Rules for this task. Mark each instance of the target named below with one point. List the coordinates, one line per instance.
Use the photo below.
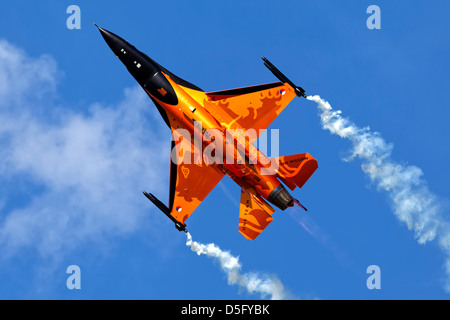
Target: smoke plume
(265, 285)
(411, 200)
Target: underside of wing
(191, 179)
(251, 107)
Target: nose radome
(115, 42)
(126, 52)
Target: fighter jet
(213, 135)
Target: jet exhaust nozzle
(281, 198)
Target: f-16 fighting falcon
(213, 135)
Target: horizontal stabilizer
(254, 215)
(296, 169)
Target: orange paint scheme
(213, 135)
(219, 112)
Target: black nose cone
(115, 42)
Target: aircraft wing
(252, 107)
(191, 179)
(247, 108)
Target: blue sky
(79, 141)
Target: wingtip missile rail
(164, 210)
(299, 91)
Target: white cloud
(80, 175)
(23, 77)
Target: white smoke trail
(412, 201)
(266, 285)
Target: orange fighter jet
(213, 135)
